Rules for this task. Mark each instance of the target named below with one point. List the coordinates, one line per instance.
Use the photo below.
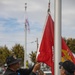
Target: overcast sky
(12, 19)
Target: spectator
(67, 68)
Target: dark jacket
(19, 72)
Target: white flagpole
(57, 38)
(25, 51)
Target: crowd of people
(13, 67)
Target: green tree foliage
(18, 50)
(33, 56)
(4, 52)
(71, 44)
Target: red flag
(45, 53)
(66, 52)
(46, 46)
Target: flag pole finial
(49, 7)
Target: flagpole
(57, 38)
(25, 51)
(37, 43)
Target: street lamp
(36, 42)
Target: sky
(12, 21)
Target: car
(48, 72)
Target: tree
(18, 50)
(4, 53)
(71, 44)
(33, 56)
